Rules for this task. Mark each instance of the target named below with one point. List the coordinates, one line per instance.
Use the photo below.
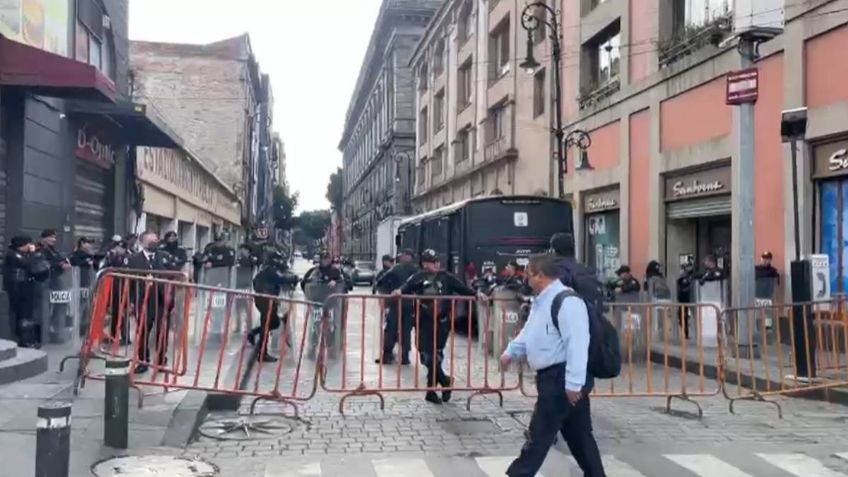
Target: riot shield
(329, 313)
(219, 278)
(504, 321)
(244, 309)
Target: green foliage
(335, 191)
(284, 204)
(311, 226)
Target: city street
(413, 438)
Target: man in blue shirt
(560, 358)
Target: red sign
(743, 86)
(92, 149)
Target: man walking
(555, 342)
(399, 316)
(152, 299)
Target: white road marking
(308, 470)
(617, 468)
(800, 465)
(706, 465)
(402, 468)
(842, 455)
(496, 466)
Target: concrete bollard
(53, 440)
(116, 408)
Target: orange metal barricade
(766, 358)
(359, 369)
(669, 350)
(199, 361)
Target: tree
(335, 192)
(284, 205)
(314, 223)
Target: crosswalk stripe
(800, 465)
(842, 455)
(496, 466)
(402, 468)
(308, 470)
(706, 465)
(617, 468)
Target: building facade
(483, 124)
(210, 95)
(181, 194)
(646, 78)
(379, 136)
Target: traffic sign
(743, 86)
(820, 283)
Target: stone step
(17, 364)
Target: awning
(48, 74)
(133, 124)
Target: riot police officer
(218, 253)
(324, 272)
(83, 256)
(399, 318)
(21, 267)
(272, 279)
(434, 318)
(177, 256)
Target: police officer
(47, 247)
(400, 311)
(21, 267)
(218, 253)
(486, 282)
(559, 352)
(626, 283)
(177, 256)
(434, 318)
(83, 256)
(388, 263)
(272, 279)
(324, 272)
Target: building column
(624, 189)
(656, 215)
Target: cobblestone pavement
(635, 432)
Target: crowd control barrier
(784, 350)
(174, 362)
(354, 371)
(666, 352)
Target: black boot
(446, 382)
(387, 358)
(432, 397)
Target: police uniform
(219, 254)
(272, 279)
(177, 256)
(20, 270)
(323, 274)
(434, 320)
(400, 312)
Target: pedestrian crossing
(559, 465)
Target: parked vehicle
(363, 273)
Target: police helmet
(429, 256)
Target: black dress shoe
(447, 383)
(405, 361)
(432, 397)
(251, 338)
(140, 368)
(266, 358)
(386, 359)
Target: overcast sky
(312, 50)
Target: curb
(197, 405)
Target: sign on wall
(92, 148)
(39, 23)
(701, 183)
(830, 159)
(743, 86)
(820, 282)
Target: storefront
(698, 216)
(93, 184)
(602, 230)
(830, 173)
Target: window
(465, 85)
(420, 170)
(539, 93)
(94, 48)
(464, 145)
(439, 58)
(423, 76)
(696, 13)
(466, 23)
(609, 56)
(497, 127)
(439, 110)
(423, 129)
(499, 51)
(437, 162)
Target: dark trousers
(21, 310)
(554, 414)
(432, 352)
(398, 324)
(268, 310)
(155, 318)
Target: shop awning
(133, 124)
(48, 74)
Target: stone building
(379, 135)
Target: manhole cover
(154, 465)
(243, 428)
(472, 426)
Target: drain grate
(148, 465)
(243, 428)
(469, 426)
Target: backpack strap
(556, 304)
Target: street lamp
(403, 157)
(531, 22)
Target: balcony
(691, 38)
(495, 149)
(594, 95)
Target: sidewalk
(166, 419)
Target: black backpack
(604, 347)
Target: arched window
(94, 40)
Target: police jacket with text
(433, 317)
(219, 255)
(177, 256)
(272, 280)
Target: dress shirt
(543, 346)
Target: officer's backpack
(604, 347)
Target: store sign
(831, 159)
(701, 183)
(600, 201)
(90, 147)
(742, 86)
